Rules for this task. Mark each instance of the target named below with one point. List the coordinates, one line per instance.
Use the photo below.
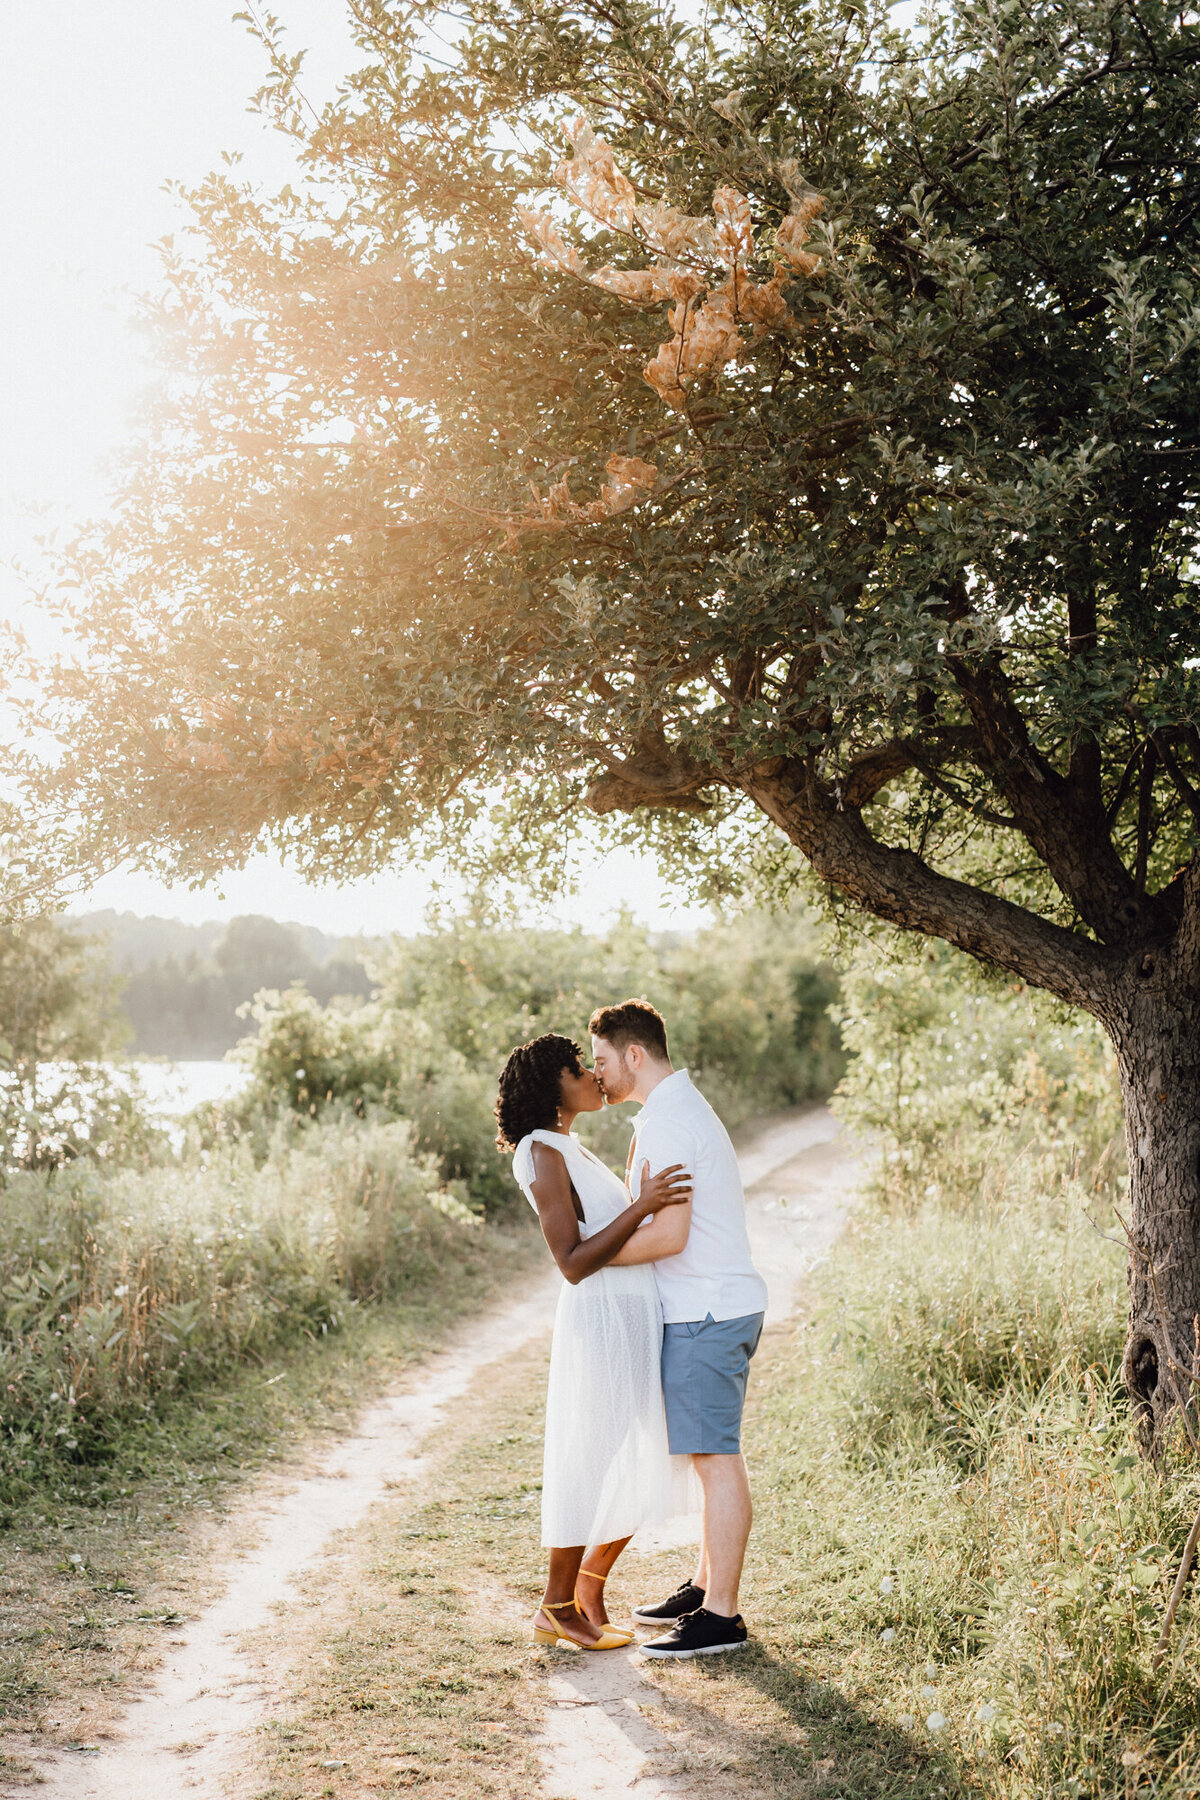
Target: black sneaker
(683, 1601)
(702, 1633)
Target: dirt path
(189, 1734)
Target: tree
(878, 547)
(60, 1026)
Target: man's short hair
(632, 1022)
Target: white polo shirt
(713, 1273)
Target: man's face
(613, 1072)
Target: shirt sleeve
(661, 1142)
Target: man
(712, 1299)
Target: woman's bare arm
(579, 1257)
(666, 1234)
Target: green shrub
(747, 1005)
(121, 1286)
(61, 1097)
(954, 1075)
(370, 1062)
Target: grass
(92, 1565)
(125, 1289)
(959, 1566)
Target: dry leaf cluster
(630, 475)
(709, 320)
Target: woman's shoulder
(534, 1145)
(545, 1139)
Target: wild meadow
(125, 1288)
(960, 1566)
(966, 1561)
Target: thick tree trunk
(1157, 1037)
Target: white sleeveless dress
(607, 1469)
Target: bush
(120, 1287)
(60, 1030)
(954, 1075)
(370, 1062)
(747, 1005)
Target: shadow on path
(814, 1739)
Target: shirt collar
(676, 1081)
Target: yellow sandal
(601, 1579)
(608, 1639)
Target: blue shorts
(705, 1366)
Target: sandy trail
(190, 1732)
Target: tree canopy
(838, 472)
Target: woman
(607, 1469)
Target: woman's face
(580, 1092)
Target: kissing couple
(660, 1313)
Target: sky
(101, 104)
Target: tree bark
(1156, 1031)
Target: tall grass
(949, 1453)
(988, 1534)
(120, 1286)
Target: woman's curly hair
(531, 1087)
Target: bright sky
(100, 105)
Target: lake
(174, 1088)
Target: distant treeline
(182, 985)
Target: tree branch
(897, 886)
(1183, 786)
(1123, 786)
(655, 773)
(1064, 822)
(870, 773)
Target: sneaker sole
(687, 1655)
(666, 1619)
